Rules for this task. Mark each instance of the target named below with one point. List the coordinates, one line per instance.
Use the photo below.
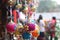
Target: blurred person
(52, 26)
(42, 28)
(48, 29)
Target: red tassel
(15, 16)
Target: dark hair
(40, 18)
(54, 18)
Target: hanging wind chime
(19, 27)
(11, 26)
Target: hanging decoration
(31, 26)
(35, 33)
(11, 26)
(11, 2)
(28, 1)
(26, 9)
(19, 25)
(33, 8)
(19, 29)
(18, 6)
(22, 16)
(15, 16)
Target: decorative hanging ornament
(15, 15)
(18, 6)
(26, 27)
(35, 33)
(33, 8)
(25, 9)
(11, 2)
(21, 16)
(28, 1)
(11, 27)
(31, 26)
(26, 35)
(19, 25)
(19, 29)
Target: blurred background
(48, 9)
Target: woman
(53, 24)
(42, 28)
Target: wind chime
(19, 6)
(11, 25)
(19, 28)
(15, 26)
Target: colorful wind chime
(35, 33)
(11, 26)
(28, 10)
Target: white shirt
(42, 24)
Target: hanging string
(11, 12)
(18, 15)
(27, 14)
(18, 2)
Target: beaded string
(11, 12)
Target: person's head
(40, 18)
(54, 18)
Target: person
(52, 26)
(42, 28)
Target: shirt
(42, 24)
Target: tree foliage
(45, 6)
